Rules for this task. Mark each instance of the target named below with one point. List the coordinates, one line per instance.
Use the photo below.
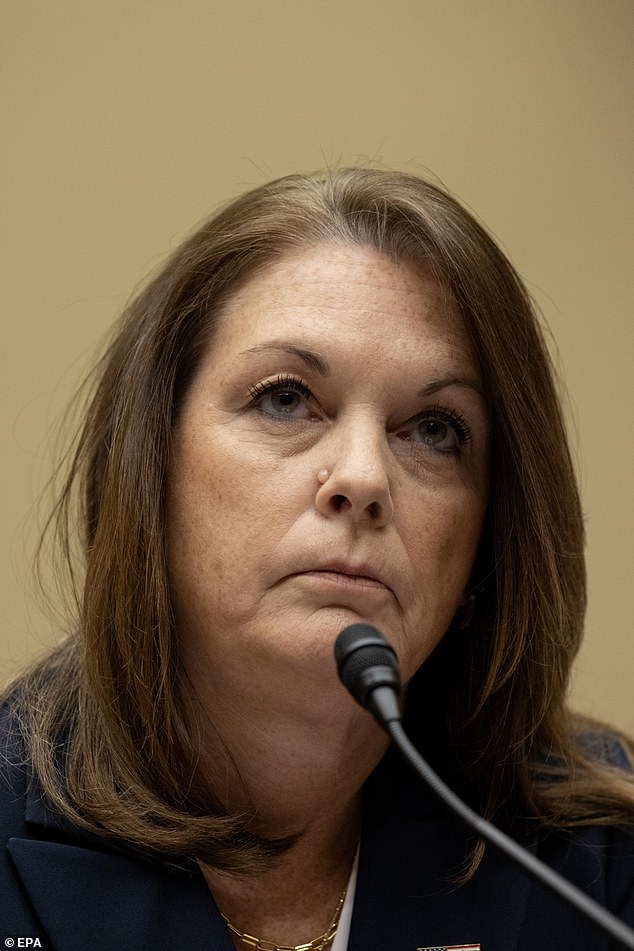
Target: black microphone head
(365, 661)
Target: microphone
(368, 668)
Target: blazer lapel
(407, 896)
(90, 899)
(88, 896)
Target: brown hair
(102, 718)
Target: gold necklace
(317, 944)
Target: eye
(439, 429)
(283, 397)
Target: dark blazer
(76, 892)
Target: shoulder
(15, 782)
(14, 771)
(598, 860)
(607, 748)
(600, 856)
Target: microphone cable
(368, 668)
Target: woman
(333, 404)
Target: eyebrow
(312, 360)
(321, 366)
(434, 386)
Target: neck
(283, 760)
(296, 899)
(298, 769)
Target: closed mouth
(337, 576)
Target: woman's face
(329, 466)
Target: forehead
(336, 292)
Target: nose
(357, 484)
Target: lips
(344, 574)
(347, 575)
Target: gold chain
(317, 944)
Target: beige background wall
(124, 123)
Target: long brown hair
(101, 715)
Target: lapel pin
(452, 947)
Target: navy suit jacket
(76, 892)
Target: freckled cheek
(220, 514)
(441, 552)
(211, 485)
(203, 526)
(444, 539)
(208, 561)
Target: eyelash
(449, 416)
(291, 384)
(281, 383)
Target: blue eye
(438, 429)
(282, 397)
